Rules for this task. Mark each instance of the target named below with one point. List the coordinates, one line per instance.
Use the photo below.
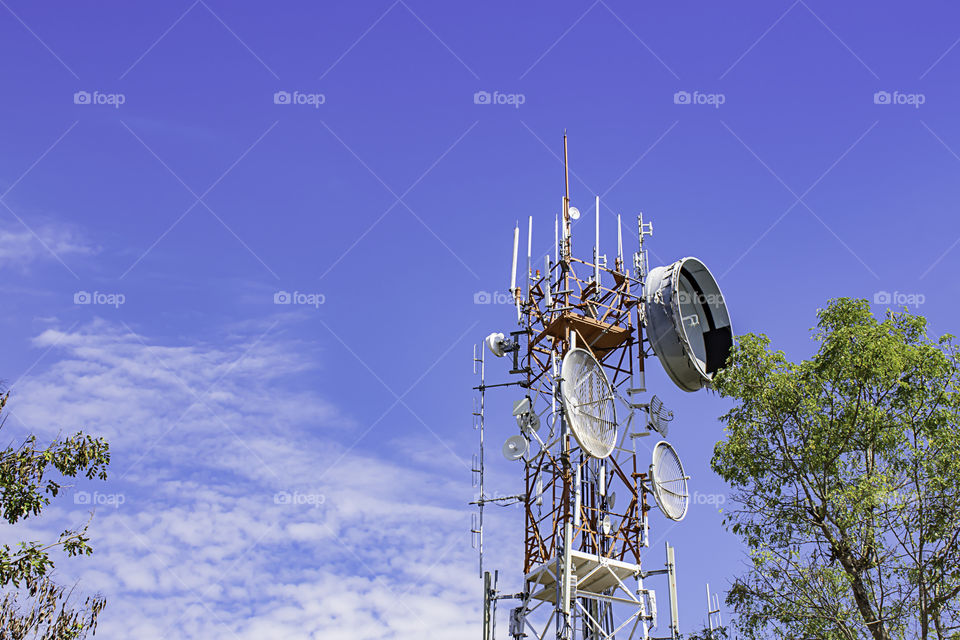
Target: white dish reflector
(515, 447)
(668, 482)
(588, 403)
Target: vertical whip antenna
(513, 269)
(596, 250)
(619, 246)
(546, 279)
(529, 254)
(556, 239)
(566, 202)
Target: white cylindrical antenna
(556, 239)
(709, 612)
(603, 480)
(596, 250)
(672, 591)
(529, 252)
(576, 498)
(546, 280)
(619, 244)
(553, 396)
(566, 222)
(709, 602)
(513, 270)
(646, 529)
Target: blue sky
(147, 162)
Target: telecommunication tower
(577, 358)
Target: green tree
(719, 633)
(33, 604)
(845, 470)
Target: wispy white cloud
(20, 247)
(224, 529)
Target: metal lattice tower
(586, 508)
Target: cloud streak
(20, 248)
(223, 530)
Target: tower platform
(595, 575)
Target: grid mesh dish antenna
(659, 416)
(588, 401)
(668, 482)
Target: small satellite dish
(611, 500)
(668, 482)
(687, 322)
(607, 525)
(515, 448)
(494, 342)
(574, 213)
(588, 403)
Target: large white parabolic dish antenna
(687, 322)
(668, 482)
(588, 403)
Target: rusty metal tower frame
(580, 548)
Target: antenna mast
(713, 610)
(575, 357)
